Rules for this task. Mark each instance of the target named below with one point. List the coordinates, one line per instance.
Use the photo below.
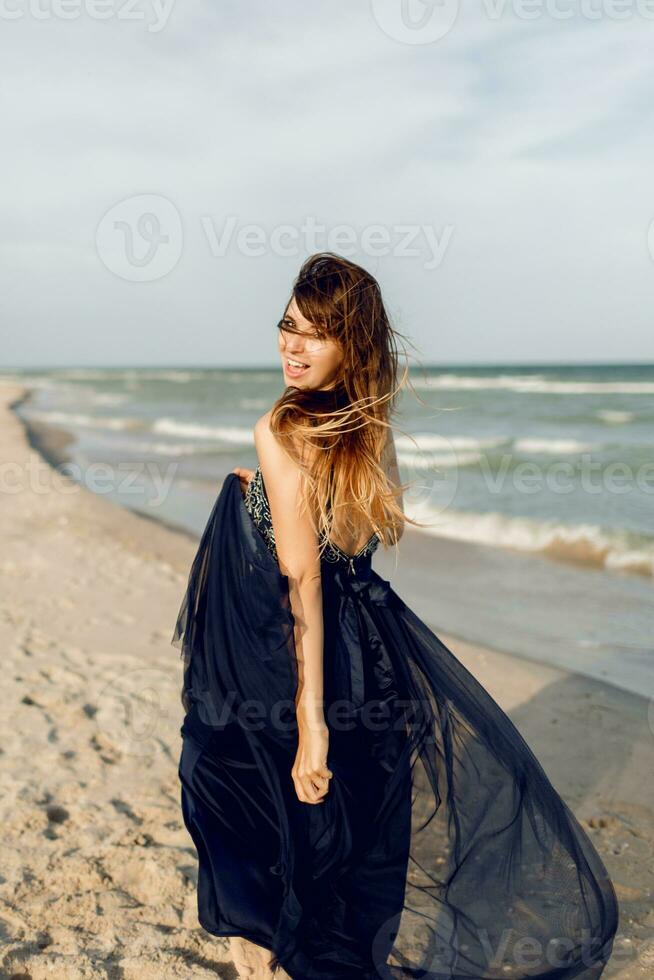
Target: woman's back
(340, 544)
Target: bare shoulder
(262, 431)
(272, 455)
(267, 444)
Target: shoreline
(436, 595)
(95, 849)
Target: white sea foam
(427, 441)
(163, 448)
(236, 435)
(531, 384)
(581, 543)
(179, 377)
(78, 419)
(437, 460)
(436, 450)
(106, 398)
(128, 374)
(81, 374)
(558, 447)
(615, 418)
(257, 377)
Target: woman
(360, 805)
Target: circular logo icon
(430, 465)
(415, 21)
(137, 711)
(423, 942)
(140, 239)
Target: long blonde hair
(338, 435)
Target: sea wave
(586, 544)
(128, 374)
(431, 450)
(236, 435)
(532, 384)
(257, 377)
(427, 441)
(558, 447)
(437, 460)
(74, 419)
(106, 398)
(165, 448)
(615, 417)
(428, 450)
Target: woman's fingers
(310, 772)
(242, 473)
(311, 792)
(320, 779)
(244, 476)
(304, 788)
(306, 793)
(312, 787)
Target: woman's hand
(244, 476)
(310, 773)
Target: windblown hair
(338, 435)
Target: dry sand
(98, 872)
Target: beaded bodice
(256, 503)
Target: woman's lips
(294, 372)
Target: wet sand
(98, 871)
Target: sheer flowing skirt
(441, 851)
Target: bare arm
(298, 556)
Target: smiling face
(310, 358)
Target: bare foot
(250, 960)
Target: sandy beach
(98, 871)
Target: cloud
(530, 139)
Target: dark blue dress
(442, 851)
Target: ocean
(543, 475)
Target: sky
(169, 164)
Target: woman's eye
(289, 325)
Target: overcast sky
(167, 168)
